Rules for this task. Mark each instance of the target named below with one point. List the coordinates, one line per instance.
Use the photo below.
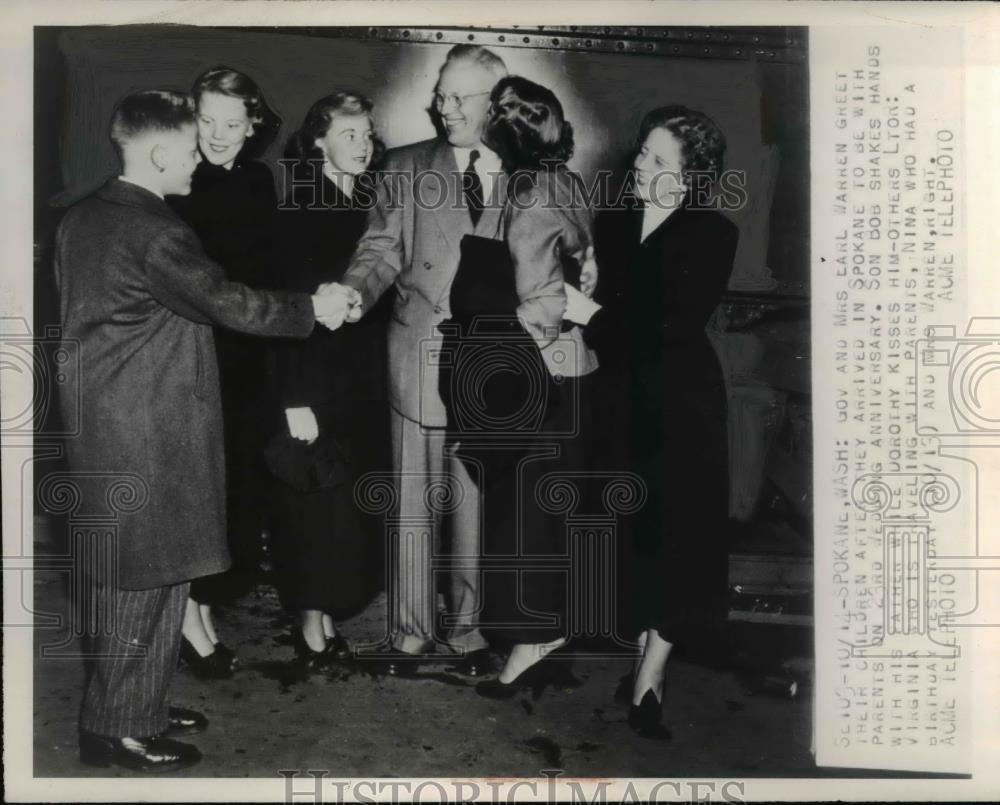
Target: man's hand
(302, 424)
(579, 308)
(334, 303)
(588, 273)
(354, 297)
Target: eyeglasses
(440, 100)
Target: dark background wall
(739, 76)
(81, 73)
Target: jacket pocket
(399, 305)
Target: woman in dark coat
(664, 266)
(231, 208)
(331, 390)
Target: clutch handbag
(494, 381)
(323, 464)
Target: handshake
(333, 304)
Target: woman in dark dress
(331, 386)
(544, 232)
(664, 266)
(231, 208)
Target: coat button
(428, 265)
(437, 308)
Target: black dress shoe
(399, 663)
(181, 721)
(338, 648)
(475, 663)
(645, 720)
(155, 754)
(212, 666)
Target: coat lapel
(452, 216)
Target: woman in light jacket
(547, 230)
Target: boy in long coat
(139, 296)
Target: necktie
(473, 188)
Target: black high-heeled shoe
(553, 669)
(338, 647)
(226, 652)
(212, 666)
(307, 656)
(646, 719)
(528, 679)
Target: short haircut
(302, 145)
(478, 55)
(526, 127)
(702, 143)
(151, 110)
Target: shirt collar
(652, 216)
(486, 156)
(656, 211)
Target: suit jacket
(659, 293)
(416, 247)
(140, 297)
(546, 225)
(658, 296)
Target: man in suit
(413, 243)
(139, 297)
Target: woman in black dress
(331, 386)
(664, 266)
(546, 227)
(231, 208)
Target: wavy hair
(526, 126)
(703, 145)
(302, 147)
(224, 80)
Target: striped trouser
(133, 661)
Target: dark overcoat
(665, 405)
(139, 298)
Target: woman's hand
(588, 273)
(579, 308)
(302, 424)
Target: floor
(354, 724)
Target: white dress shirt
(652, 216)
